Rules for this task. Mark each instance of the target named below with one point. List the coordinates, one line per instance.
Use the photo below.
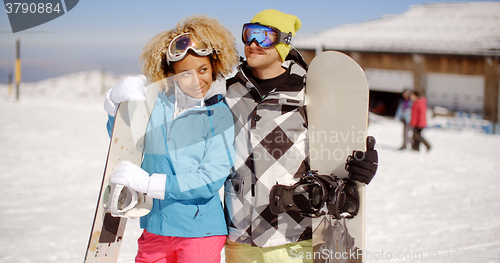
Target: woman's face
(194, 75)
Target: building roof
(469, 28)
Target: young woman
(188, 144)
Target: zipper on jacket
(198, 108)
(197, 211)
(170, 130)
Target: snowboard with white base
(337, 111)
(127, 143)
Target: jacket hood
(296, 66)
(295, 56)
(184, 102)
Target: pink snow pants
(162, 249)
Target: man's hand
(362, 166)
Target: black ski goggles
(264, 36)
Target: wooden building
(448, 51)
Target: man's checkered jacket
(271, 146)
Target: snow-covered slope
(80, 87)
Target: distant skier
(403, 114)
(418, 120)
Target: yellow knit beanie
(284, 22)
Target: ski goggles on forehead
(264, 36)
(181, 44)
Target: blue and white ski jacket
(193, 146)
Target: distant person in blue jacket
(188, 144)
(403, 114)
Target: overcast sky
(111, 34)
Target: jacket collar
(294, 83)
(184, 102)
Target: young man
(267, 99)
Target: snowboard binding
(122, 201)
(312, 193)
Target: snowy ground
(444, 202)
(440, 206)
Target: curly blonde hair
(204, 29)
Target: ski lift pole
(18, 69)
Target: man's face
(262, 58)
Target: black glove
(362, 166)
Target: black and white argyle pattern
(271, 146)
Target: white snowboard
(337, 111)
(127, 143)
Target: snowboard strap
(345, 202)
(312, 193)
(336, 238)
(122, 201)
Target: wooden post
(491, 88)
(18, 68)
(418, 69)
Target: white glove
(130, 175)
(128, 89)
